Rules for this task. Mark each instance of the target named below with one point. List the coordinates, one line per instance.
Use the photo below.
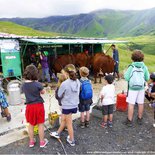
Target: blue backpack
(86, 90)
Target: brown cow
(102, 64)
(82, 59)
(79, 60)
(61, 61)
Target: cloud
(43, 8)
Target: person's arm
(152, 95)
(102, 96)
(146, 74)
(61, 90)
(42, 91)
(41, 88)
(127, 73)
(41, 57)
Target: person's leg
(43, 75)
(130, 111)
(47, 75)
(31, 132)
(70, 126)
(6, 110)
(140, 110)
(41, 131)
(140, 101)
(87, 116)
(105, 118)
(110, 117)
(63, 123)
(82, 117)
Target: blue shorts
(69, 111)
(84, 107)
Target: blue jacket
(116, 55)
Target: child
(69, 91)
(107, 95)
(84, 105)
(61, 78)
(4, 106)
(150, 93)
(136, 76)
(35, 113)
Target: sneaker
(43, 143)
(32, 143)
(55, 134)
(72, 143)
(8, 118)
(82, 125)
(139, 121)
(103, 125)
(110, 124)
(87, 124)
(128, 123)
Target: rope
(58, 140)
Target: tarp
(71, 41)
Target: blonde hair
(84, 71)
(62, 78)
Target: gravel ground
(96, 140)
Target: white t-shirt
(108, 93)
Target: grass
(125, 53)
(12, 28)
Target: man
(45, 67)
(116, 59)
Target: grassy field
(12, 28)
(145, 43)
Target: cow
(82, 59)
(57, 64)
(102, 64)
(79, 60)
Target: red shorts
(35, 113)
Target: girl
(69, 91)
(35, 113)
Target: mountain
(101, 23)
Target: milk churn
(13, 88)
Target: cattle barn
(58, 46)
(61, 46)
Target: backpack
(86, 90)
(136, 81)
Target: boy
(85, 101)
(107, 95)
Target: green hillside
(102, 23)
(12, 28)
(146, 43)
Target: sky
(45, 8)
